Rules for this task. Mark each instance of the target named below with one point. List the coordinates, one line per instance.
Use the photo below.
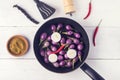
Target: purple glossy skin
(56, 64)
(72, 46)
(42, 53)
(49, 52)
(68, 27)
(65, 56)
(69, 32)
(53, 27)
(54, 43)
(79, 52)
(59, 26)
(62, 52)
(79, 55)
(80, 46)
(62, 63)
(46, 44)
(69, 64)
(53, 48)
(77, 35)
(49, 38)
(76, 41)
(60, 58)
(62, 41)
(46, 60)
(43, 36)
(69, 41)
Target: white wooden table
(104, 58)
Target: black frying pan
(46, 28)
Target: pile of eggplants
(72, 40)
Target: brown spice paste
(17, 46)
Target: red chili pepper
(59, 49)
(89, 10)
(95, 32)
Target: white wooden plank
(107, 41)
(104, 58)
(30, 69)
(109, 69)
(108, 10)
(8, 32)
(10, 16)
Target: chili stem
(70, 14)
(80, 58)
(99, 23)
(73, 63)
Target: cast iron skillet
(46, 28)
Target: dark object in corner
(45, 10)
(26, 14)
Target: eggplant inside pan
(61, 45)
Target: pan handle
(91, 73)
